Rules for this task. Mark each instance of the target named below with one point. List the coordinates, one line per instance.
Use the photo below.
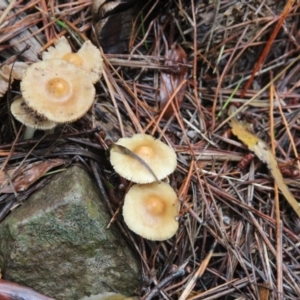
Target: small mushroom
(158, 156)
(17, 69)
(9, 73)
(57, 90)
(4, 85)
(150, 211)
(88, 57)
(29, 118)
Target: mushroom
(88, 57)
(16, 70)
(29, 118)
(158, 156)
(4, 83)
(58, 90)
(150, 210)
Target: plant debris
(237, 239)
(21, 177)
(260, 148)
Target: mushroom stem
(29, 132)
(29, 118)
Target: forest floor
(187, 63)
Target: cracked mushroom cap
(88, 57)
(28, 117)
(150, 210)
(158, 156)
(57, 90)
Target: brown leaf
(264, 291)
(26, 175)
(169, 82)
(114, 24)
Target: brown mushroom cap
(57, 90)
(150, 210)
(88, 57)
(28, 117)
(160, 158)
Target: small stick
(126, 151)
(155, 291)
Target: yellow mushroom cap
(57, 90)
(150, 210)
(17, 69)
(160, 158)
(11, 72)
(28, 117)
(60, 49)
(88, 57)
(4, 82)
(92, 60)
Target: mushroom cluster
(150, 206)
(60, 88)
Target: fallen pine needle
(262, 151)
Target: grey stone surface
(58, 244)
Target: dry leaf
(264, 291)
(169, 82)
(262, 151)
(26, 175)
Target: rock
(58, 244)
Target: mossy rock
(58, 244)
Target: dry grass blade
(197, 275)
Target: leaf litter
(262, 151)
(19, 179)
(234, 241)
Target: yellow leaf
(262, 151)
